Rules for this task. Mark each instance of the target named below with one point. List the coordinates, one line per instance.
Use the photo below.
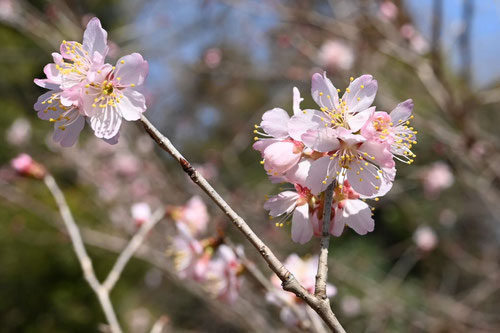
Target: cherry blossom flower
(388, 10)
(19, 132)
(336, 55)
(224, 279)
(194, 215)
(436, 178)
(26, 166)
(425, 238)
(296, 204)
(394, 130)
(141, 212)
(189, 255)
(304, 271)
(112, 96)
(351, 211)
(280, 152)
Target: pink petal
(262, 144)
(298, 174)
(275, 123)
(280, 157)
(323, 139)
(366, 182)
(402, 112)
(282, 203)
(366, 94)
(381, 152)
(338, 223)
(319, 170)
(132, 69)
(321, 88)
(304, 121)
(302, 230)
(71, 132)
(95, 38)
(131, 105)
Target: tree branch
(321, 276)
(289, 283)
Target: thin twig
(289, 283)
(131, 248)
(81, 254)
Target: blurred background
(432, 263)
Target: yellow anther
(122, 62)
(324, 182)
(132, 84)
(362, 86)
(87, 85)
(321, 93)
(262, 162)
(338, 90)
(358, 99)
(377, 199)
(351, 79)
(118, 78)
(256, 138)
(360, 179)
(348, 90)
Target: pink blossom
(388, 10)
(280, 152)
(351, 211)
(350, 305)
(425, 238)
(141, 212)
(19, 132)
(296, 204)
(213, 57)
(336, 55)
(194, 215)
(112, 95)
(394, 129)
(304, 270)
(26, 166)
(224, 279)
(436, 178)
(190, 258)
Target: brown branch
(289, 283)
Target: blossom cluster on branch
(347, 142)
(83, 88)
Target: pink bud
(26, 166)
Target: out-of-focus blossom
(388, 10)
(336, 55)
(26, 166)
(417, 41)
(224, 278)
(19, 132)
(425, 238)
(8, 9)
(194, 215)
(126, 164)
(350, 305)
(436, 178)
(141, 212)
(189, 255)
(207, 170)
(213, 57)
(304, 271)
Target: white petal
(304, 121)
(71, 132)
(302, 230)
(106, 123)
(298, 174)
(280, 157)
(338, 223)
(366, 182)
(319, 170)
(360, 119)
(296, 101)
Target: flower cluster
(304, 271)
(204, 259)
(345, 141)
(83, 88)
